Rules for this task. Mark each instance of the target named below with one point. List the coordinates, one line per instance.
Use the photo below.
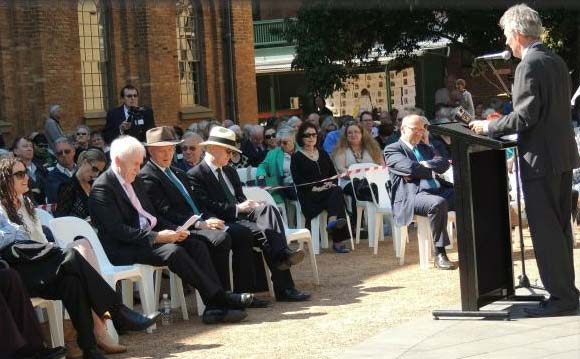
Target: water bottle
(165, 310)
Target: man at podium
(547, 154)
(412, 164)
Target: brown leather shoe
(442, 262)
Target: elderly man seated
(413, 164)
(131, 233)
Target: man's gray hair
(52, 109)
(292, 121)
(256, 129)
(126, 146)
(522, 19)
(85, 127)
(407, 119)
(193, 135)
(63, 140)
(285, 133)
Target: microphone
(505, 55)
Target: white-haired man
(413, 163)
(253, 147)
(547, 154)
(130, 233)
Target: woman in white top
(18, 222)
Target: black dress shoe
(239, 301)
(47, 353)
(289, 258)
(93, 353)
(221, 315)
(125, 319)
(259, 303)
(292, 295)
(442, 262)
(551, 308)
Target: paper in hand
(190, 222)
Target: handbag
(362, 189)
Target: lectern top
(460, 132)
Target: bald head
(413, 128)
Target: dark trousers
(19, 326)
(219, 245)
(81, 289)
(435, 204)
(548, 207)
(191, 261)
(262, 228)
(331, 200)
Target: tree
(336, 39)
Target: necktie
(177, 183)
(229, 196)
(420, 158)
(137, 205)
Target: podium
(482, 218)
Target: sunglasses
(63, 152)
(230, 152)
(309, 134)
(188, 148)
(268, 137)
(19, 174)
(82, 134)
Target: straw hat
(221, 136)
(161, 136)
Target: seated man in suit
(64, 169)
(218, 190)
(131, 233)
(169, 191)
(129, 118)
(412, 164)
(253, 147)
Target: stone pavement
(520, 337)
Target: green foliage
(336, 39)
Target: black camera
(136, 112)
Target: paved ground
(521, 337)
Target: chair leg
(127, 290)
(146, 292)
(199, 304)
(158, 277)
(323, 233)
(231, 271)
(425, 241)
(268, 277)
(350, 232)
(315, 233)
(403, 238)
(54, 312)
(371, 227)
(378, 224)
(359, 212)
(177, 290)
(313, 261)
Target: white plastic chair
(177, 293)
(381, 207)
(43, 216)
(55, 321)
(65, 229)
(247, 174)
(300, 235)
(362, 205)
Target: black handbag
(362, 189)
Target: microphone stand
(523, 280)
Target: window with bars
(94, 57)
(188, 53)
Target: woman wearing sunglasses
(313, 165)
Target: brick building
(78, 54)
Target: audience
(52, 126)
(464, 97)
(328, 125)
(321, 108)
(311, 165)
(131, 233)
(314, 118)
(253, 147)
(270, 141)
(129, 118)
(218, 191)
(63, 275)
(73, 195)
(294, 122)
(23, 149)
(191, 151)
(64, 169)
(275, 168)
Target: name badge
(140, 122)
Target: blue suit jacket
(402, 164)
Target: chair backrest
(259, 194)
(43, 216)
(379, 177)
(247, 174)
(65, 229)
(360, 175)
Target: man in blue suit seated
(413, 165)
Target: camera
(136, 112)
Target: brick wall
(40, 61)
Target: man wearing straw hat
(218, 190)
(170, 193)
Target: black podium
(482, 217)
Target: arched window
(188, 53)
(94, 56)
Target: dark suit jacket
(541, 115)
(209, 194)
(255, 155)
(402, 163)
(53, 181)
(165, 197)
(38, 187)
(117, 221)
(116, 117)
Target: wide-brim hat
(221, 136)
(161, 136)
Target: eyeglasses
(188, 148)
(268, 137)
(63, 152)
(19, 174)
(309, 134)
(131, 95)
(230, 152)
(82, 134)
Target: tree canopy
(336, 39)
